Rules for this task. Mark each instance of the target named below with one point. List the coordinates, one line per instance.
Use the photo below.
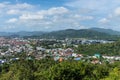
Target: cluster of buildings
(87, 41)
(60, 54)
(55, 50)
(9, 47)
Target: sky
(52, 15)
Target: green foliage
(4, 48)
(114, 74)
(47, 69)
(105, 49)
(83, 33)
(75, 70)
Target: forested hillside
(82, 33)
(51, 70)
(105, 49)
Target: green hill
(82, 33)
(108, 31)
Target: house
(97, 55)
(77, 58)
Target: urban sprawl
(58, 50)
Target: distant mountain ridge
(22, 33)
(26, 33)
(108, 31)
(72, 33)
(93, 33)
(5, 33)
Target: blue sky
(51, 15)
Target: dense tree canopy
(48, 69)
(105, 49)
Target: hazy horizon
(54, 15)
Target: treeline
(71, 33)
(111, 49)
(47, 69)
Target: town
(58, 50)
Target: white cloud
(19, 6)
(13, 20)
(88, 18)
(23, 6)
(103, 20)
(54, 10)
(81, 17)
(13, 11)
(31, 17)
(8, 5)
(45, 13)
(57, 10)
(40, 14)
(3, 5)
(113, 16)
(117, 11)
(91, 4)
(53, 18)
